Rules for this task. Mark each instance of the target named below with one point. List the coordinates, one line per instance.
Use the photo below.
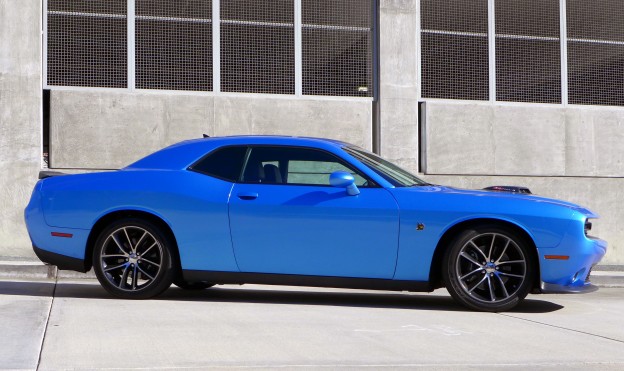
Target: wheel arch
(107, 219)
(435, 271)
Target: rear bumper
(62, 262)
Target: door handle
(247, 195)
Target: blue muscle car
(306, 212)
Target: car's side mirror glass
(343, 179)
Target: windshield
(389, 171)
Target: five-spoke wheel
(132, 259)
(488, 268)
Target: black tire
(488, 268)
(132, 259)
(199, 285)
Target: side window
(225, 163)
(289, 165)
(317, 172)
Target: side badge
(420, 227)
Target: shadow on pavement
(41, 288)
(292, 296)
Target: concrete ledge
(608, 278)
(33, 270)
(36, 270)
(601, 276)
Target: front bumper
(551, 288)
(571, 275)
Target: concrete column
(398, 82)
(20, 119)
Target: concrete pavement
(75, 324)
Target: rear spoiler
(48, 174)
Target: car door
(285, 218)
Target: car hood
(501, 195)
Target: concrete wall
(108, 130)
(20, 119)
(537, 140)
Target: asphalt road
(77, 325)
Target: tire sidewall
(162, 280)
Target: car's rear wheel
(132, 259)
(488, 268)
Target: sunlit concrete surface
(24, 309)
(297, 328)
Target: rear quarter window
(223, 163)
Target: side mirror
(342, 179)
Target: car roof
(271, 139)
(183, 154)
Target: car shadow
(291, 296)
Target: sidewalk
(601, 276)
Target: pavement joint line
(561, 327)
(45, 330)
(372, 365)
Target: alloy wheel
(491, 267)
(131, 258)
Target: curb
(602, 276)
(37, 270)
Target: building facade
(467, 93)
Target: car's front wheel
(132, 259)
(488, 268)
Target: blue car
(306, 212)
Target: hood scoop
(509, 189)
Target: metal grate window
(87, 43)
(595, 52)
(257, 46)
(528, 51)
(174, 44)
(337, 50)
(454, 54)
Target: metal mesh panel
(174, 44)
(337, 49)
(595, 52)
(257, 46)
(528, 51)
(454, 49)
(87, 43)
